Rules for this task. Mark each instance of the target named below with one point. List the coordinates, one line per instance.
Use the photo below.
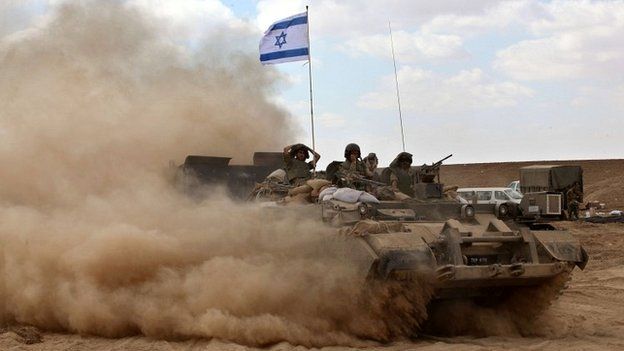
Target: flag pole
(310, 80)
(396, 80)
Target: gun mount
(427, 181)
(429, 173)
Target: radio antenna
(396, 80)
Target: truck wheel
(503, 210)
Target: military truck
(544, 188)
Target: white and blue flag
(286, 40)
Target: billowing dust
(523, 312)
(95, 240)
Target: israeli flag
(286, 40)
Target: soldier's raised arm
(287, 155)
(394, 182)
(317, 156)
(287, 150)
(367, 172)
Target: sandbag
(400, 196)
(450, 192)
(317, 192)
(303, 198)
(278, 175)
(327, 197)
(347, 195)
(317, 183)
(366, 197)
(302, 189)
(328, 191)
(448, 188)
(384, 193)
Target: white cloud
(425, 91)
(611, 97)
(575, 40)
(270, 11)
(352, 18)
(503, 15)
(190, 19)
(409, 47)
(563, 16)
(331, 120)
(186, 20)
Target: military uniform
(371, 162)
(358, 169)
(353, 169)
(572, 198)
(297, 171)
(402, 179)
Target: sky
(483, 80)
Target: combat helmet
(371, 157)
(295, 148)
(403, 156)
(350, 148)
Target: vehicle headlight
(363, 209)
(469, 211)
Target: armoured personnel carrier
(470, 250)
(465, 250)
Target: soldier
(402, 175)
(353, 167)
(371, 163)
(573, 196)
(297, 170)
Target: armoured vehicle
(471, 251)
(466, 250)
(238, 180)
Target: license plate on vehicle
(481, 260)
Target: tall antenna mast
(396, 80)
(310, 79)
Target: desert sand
(589, 315)
(100, 252)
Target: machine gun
(355, 178)
(269, 190)
(428, 173)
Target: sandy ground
(588, 316)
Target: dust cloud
(94, 238)
(523, 312)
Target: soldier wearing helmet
(371, 162)
(297, 169)
(353, 166)
(402, 175)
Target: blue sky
(496, 81)
(484, 80)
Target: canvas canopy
(549, 178)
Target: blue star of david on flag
(275, 49)
(280, 40)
